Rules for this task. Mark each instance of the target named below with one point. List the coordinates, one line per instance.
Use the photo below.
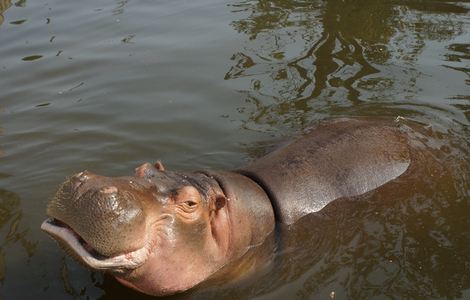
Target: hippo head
(159, 232)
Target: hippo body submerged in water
(163, 232)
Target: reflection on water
(11, 233)
(120, 7)
(4, 5)
(334, 55)
(31, 57)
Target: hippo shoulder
(341, 158)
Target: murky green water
(107, 85)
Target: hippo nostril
(109, 190)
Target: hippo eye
(190, 203)
(187, 199)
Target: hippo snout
(106, 213)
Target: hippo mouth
(87, 254)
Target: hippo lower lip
(90, 256)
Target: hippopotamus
(162, 232)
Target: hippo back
(340, 158)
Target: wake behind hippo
(162, 232)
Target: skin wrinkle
(237, 210)
(182, 209)
(161, 237)
(162, 223)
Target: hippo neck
(250, 210)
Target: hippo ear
(219, 221)
(159, 166)
(220, 202)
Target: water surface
(108, 85)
